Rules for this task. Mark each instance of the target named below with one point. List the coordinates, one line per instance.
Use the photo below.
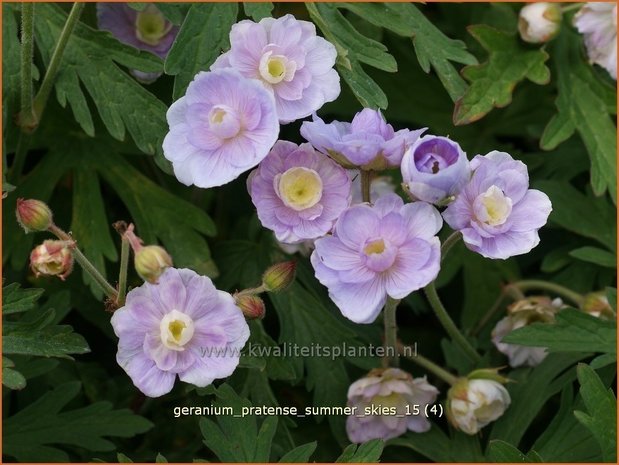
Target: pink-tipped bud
(33, 215)
(251, 305)
(52, 258)
(279, 276)
(151, 261)
(596, 304)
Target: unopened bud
(596, 304)
(33, 215)
(151, 261)
(251, 305)
(52, 258)
(279, 276)
(539, 22)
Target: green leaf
(501, 451)
(353, 48)
(492, 82)
(174, 12)
(201, 38)
(438, 447)
(11, 378)
(601, 418)
(611, 295)
(582, 214)
(53, 341)
(15, 300)
(236, 438)
(28, 434)
(595, 255)
(573, 331)
(10, 70)
(90, 224)
(368, 452)
(433, 48)
(90, 59)
(581, 107)
(530, 391)
(300, 454)
(160, 458)
(258, 10)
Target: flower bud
(52, 258)
(519, 314)
(251, 305)
(539, 22)
(279, 276)
(33, 215)
(474, 403)
(396, 402)
(151, 261)
(596, 304)
(435, 169)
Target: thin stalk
(50, 75)
(27, 47)
(391, 332)
(448, 323)
(452, 240)
(366, 180)
(432, 368)
(489, 314)
(554, 288)
(122, 275)
(80, 258)
(571, 6)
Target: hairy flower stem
(554, 288)
(366, 180)
(391, 333)
(441, 312)
(431, 367)
(80, 258)
(50, 75)
(122, 275)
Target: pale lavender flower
(399, 394)
(434, 169)
(182, 327)
(597, 22)
(390, 249)
(298, 192)
(289, 59)
(224, 125)
(368, 141)
(497, 213)
(146, 30)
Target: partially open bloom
(390, 249)
(147, 30)
(223, 126)
(52, 258)
(539, 22)
(597, 305)
(33, 215)
(368, 141)
(289, 59)
(434, 169)
(182, 327)
(497, 213)
(473, 404)
(597, 21)
(519, 314)
(392, 392)
(298, 192)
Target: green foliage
(493, 82)
(368, 452)
(91, 60)
(601, 405)
(31, 434)
(501, 451)
(202, 37)
(584, 105)
(257, 10)
(573, 331)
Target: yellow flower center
(150, 25)
(218, 116)
(276, 68)
(176, 330)
(300, 188)
(497, 206)
(375, 247)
